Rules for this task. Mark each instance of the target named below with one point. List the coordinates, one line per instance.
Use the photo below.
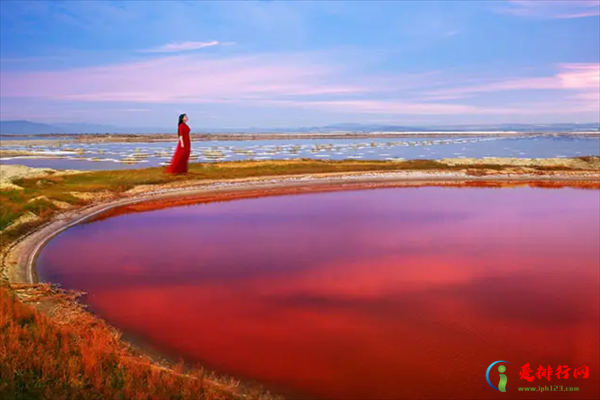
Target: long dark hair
(181, 119)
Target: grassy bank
(39, 195)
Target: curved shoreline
(19, 257)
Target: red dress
(179, 163)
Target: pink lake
(370, 294)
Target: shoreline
(19, 257)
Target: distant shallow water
(102, 156)
(386, 293)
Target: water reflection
(388, 293)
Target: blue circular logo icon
(503, 380)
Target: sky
(235, 64)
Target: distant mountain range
(35, 128)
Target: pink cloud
(553, 9)
(180, 79)
(580, 76)
(298, 81)
(422, 108)
(584, 77)
(379, 106)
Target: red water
(388, 293)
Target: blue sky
(300, 63)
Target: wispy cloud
(183, 79)
(374, 106)
(555, 9)
(395, 107)
(184, 46)
(577, 77)
(305, 81)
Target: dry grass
(73, 355)
(119, 181)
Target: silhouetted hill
(35, 128)
(26, 128)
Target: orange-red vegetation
(78, 356)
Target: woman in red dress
(179, 163)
